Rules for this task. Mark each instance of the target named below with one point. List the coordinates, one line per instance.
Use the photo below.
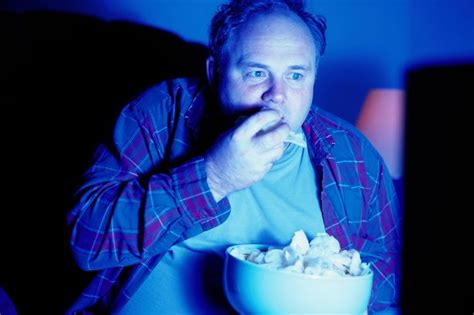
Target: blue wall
(371, 43)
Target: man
(196, 167)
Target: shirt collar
(318, 135)
(195, 111)
(203, 117)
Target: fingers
(268, 158)
(272, 139)
(252, 125)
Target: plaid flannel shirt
(148, 190)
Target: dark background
(63, 79)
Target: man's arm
(126, 211)
(381, 243)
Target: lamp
(381, 120)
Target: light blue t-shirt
(188, 279)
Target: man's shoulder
(337, 125)
(346, 136)
(169, 93)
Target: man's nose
(275, 93)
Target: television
(438, 228)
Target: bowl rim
(287, 272)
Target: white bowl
(252, 289)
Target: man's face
(269, 62)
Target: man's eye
(258, 74)
(296, 76)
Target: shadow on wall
(64, 79)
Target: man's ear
(211, 71)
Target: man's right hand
(242, 156)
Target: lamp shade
(381, 120)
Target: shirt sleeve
(380, 241)
(130, 206)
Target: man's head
(264, 53)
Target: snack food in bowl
(305, 277)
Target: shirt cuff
(195, 198)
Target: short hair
(235, 13)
